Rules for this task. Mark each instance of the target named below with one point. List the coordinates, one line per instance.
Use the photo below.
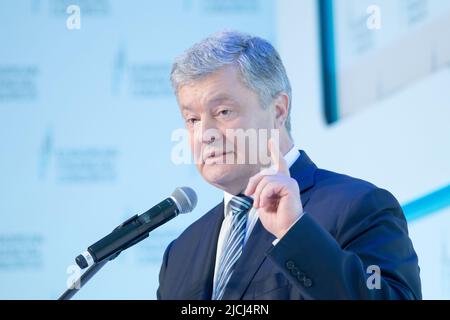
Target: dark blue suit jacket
(348, 226)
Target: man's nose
(208, 131)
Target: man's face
(212, 108)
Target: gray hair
(257, 60)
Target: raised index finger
(277, 158)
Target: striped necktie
(233, 243)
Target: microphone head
(186, 199)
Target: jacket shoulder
(340, 185)
(197, 228)
(344, 189)
(338, 200)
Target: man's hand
(276, 195)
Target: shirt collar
(290, 159)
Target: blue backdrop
(86, 122)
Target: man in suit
(291, 231)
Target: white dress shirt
(290, 158)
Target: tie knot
(240, 203)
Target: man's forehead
(210, 100)
(222, 85)
(221, 97)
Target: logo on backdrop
(18, 83)
(62, 7)
(223, 6)
(70, 164)
(143, 79)
(21, 251)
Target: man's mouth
(214, 155)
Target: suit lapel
(209, 239)
(303, 171)
(252, 257)
(260, 240)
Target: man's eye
(225, 112)
(191, 121)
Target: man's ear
(281, 106)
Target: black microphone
(137, 228)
